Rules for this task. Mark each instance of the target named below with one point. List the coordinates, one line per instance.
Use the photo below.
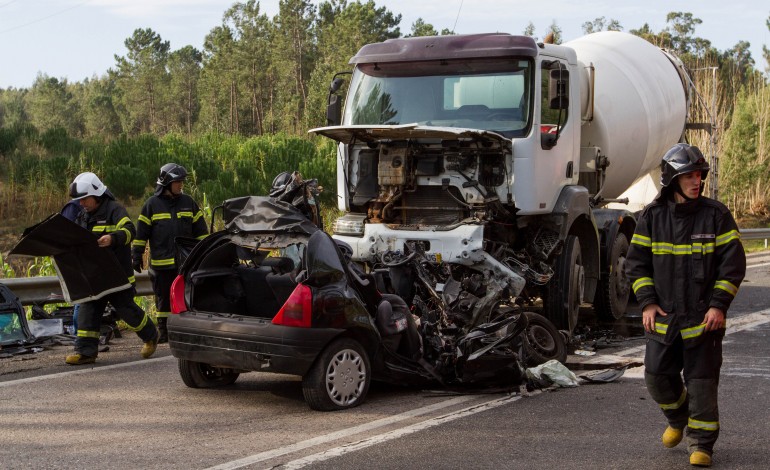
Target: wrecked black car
(273, 293)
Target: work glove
(137, 264)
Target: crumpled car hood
(369, 133)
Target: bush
(125, 181)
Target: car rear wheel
(339, 378)
(199, 375)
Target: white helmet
(87, 184)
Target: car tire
(199, 375)
(339, 378)
(542, 341)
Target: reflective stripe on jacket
(686, 258)
(162, 219)
(112, 219)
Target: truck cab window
(554, 94)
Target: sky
(78, 39)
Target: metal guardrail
(755, 233)
(46, 289)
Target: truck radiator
(432, 205)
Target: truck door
(549, 164)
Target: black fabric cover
(258, 214)
(85, 271)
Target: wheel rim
(577, 281)
(541, 340)
(345, 377)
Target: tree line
(259, 76)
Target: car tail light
(297, 310)
(178, 304)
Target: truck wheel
(339, 378)
(613, 292)
(542, 341)
(199, 375)
(562, 301)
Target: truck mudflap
(246, 343)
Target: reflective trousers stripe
(141, 325)
(677, 404)
(704, 425)
(88, 334)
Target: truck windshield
(492, 95)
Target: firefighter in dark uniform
(686, 263)
(109, 220)
(168, 214)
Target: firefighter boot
(150, 346)
(700, 458)
(163, 330)
(671, 437)
(78, 359)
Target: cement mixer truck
(495, 156)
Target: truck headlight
(350, 224)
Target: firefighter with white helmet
(167, 214)
(686, 263)
(106, 218)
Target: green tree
(601, 24)
(342, 30)
(142, 82)
(293, 58)
(51, 106)
(529, 30)
(746, 154)
(681, 29)
(184, 66)
(95, 98)
(765, 50)
(421, 28)
(13, 111)
(218, 81)
(252, 33)
(555, 31)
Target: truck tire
(542, 341)
(564, 293)
(199, 375)
(339, 378)
(612, 295)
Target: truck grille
(432, 205)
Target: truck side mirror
(334, 111)
(334, 104)
(558, 86)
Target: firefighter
(106, 218)
(686, 263)
(167, 214)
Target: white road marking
(82, 371)
(428, 423)
(269, 454)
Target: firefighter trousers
(161, 286)
(90, 320)
(693, 404)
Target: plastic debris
(583, 352)
(604, 375)
(552, 372)
(45, 328)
